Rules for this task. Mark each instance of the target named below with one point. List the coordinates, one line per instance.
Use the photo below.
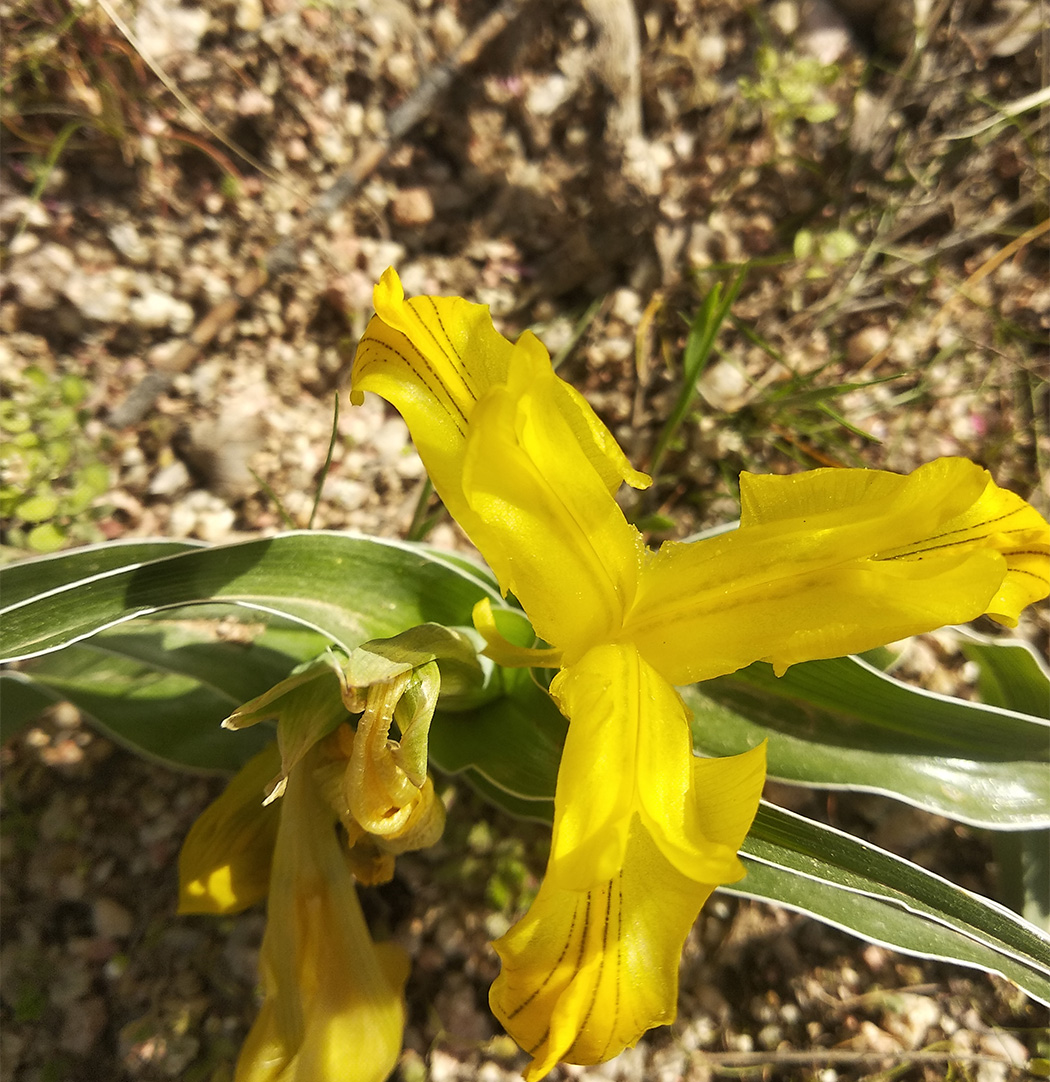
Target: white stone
(126, 239)
(548, 95)
(724, 386)
(250, 15)
(154, 309)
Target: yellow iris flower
(823, 564)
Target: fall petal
(628, 752)
(585, 973)
(837, 561)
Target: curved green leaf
(884, 899)
(844, 724)
(348, 588)
(28, 577)
(1012, 674)
(162, 685)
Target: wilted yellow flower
(333, 1007)
(823, 564)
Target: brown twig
(284, 256)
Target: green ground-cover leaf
(843, 724)
(348, 588)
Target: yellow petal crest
(224, 863)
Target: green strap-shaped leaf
(348, 588)
(844, 724)
(37, 576)
(1012, 674)
(162, 684)
(862, 889)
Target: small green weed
(788, 88)
(50, 475)
(703, 330)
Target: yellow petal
(224, 864)
(333, 1008)
(432, 358)
(519, 458)
(997, 521)
(546, 522)
(836, 561)
(628, 753)
(585, 974)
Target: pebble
(23, 244)
(724, 386)
(126, 238)
(39, 277)
(164, 29)
(865, 343)
(154, 310)
(249, 15)
(201, 515)
(253, 102)
(100, 298)
(548, 95)
(112, 919)
(870, 1038)
(21, 208)
(443, 1067)
(170, 479)
(412, 207)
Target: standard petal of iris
(533, 467)
(832, 562)
(544, 518)
(628, 753)
(334, 1006)
(432, 358)
(224, 864)
(585, 974)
